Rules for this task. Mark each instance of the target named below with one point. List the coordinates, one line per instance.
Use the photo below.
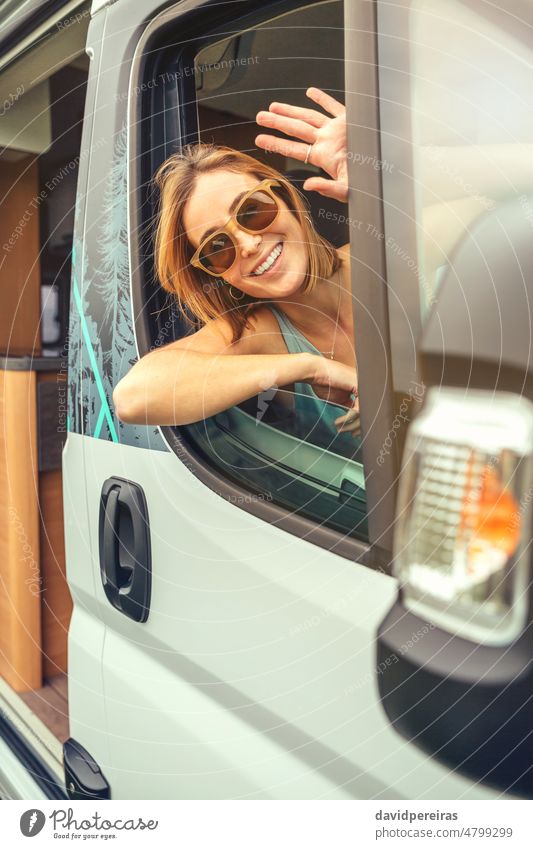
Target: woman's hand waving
(323, 140)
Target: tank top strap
(295, 341)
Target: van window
(457, 140)
(279, 448)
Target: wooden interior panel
(56, 601)
(19, 271)
(20, 577)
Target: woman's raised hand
(326, 135)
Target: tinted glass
(258, 211)
(457, 140)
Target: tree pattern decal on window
(101, 338)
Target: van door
(238, 608)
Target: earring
(234, 296)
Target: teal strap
(295, 341)
(105, 412)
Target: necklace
(332, 352)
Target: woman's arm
(177, 385)
(326, 134)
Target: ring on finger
(308, 154)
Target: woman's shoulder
(344, 254)
(262, 332)
(261, 335)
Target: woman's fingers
(326, 101)
(328, 188)
(354, 429)
(289, 126)
(295, 150)
(349, 423)
(311, 116)
(350, 416)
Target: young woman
(236, 246)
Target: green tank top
(315, 418)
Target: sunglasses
(254, 213)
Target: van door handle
(125, 550)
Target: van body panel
(31, 21)
(254, 676)
(86, 632)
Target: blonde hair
(197, 293)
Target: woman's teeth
(269, 261)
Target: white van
(250, 614)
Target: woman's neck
(323, 304)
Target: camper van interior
(43, 88)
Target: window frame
(369, 270)
(142, 103)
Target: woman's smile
(271, 263)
